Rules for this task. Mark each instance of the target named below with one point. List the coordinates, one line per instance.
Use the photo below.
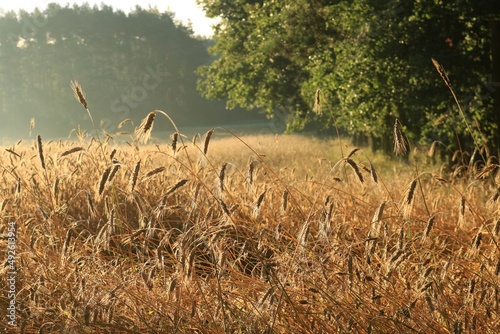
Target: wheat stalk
(355, 167)
(77, 90)
(373, 174)
(112, 154)
(116, 167)
(143, 131)
(222, 175)
(133, 177)
(13, 152)
(411, 192)
(55, 189)
(208, 135)
(71, 151)
(125, 121)
(444, 76)
(284, 201)
(18, 188)
(40, 151)
(317, 102)
(176, 186)
(353, 151)
(258, 203)
(32, 125)
(175, 137)
(152, 173)
(90, 204)
(251, 167)
(430, 224)
(377, 220)
(104, 179)
(400, 147)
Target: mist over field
(127, 64)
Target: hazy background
(186, 11)
(129, 61)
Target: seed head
(143, 131)
(77, 89)
(399, 140)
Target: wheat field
(255, 234)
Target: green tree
(370, 59)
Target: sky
(184, 9)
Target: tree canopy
(367, 63)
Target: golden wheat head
(399, 140)
(77, 89)
(143, 131)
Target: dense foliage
(128, 64)
(369, 59)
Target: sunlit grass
(275, 234)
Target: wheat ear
(399, 140)
(40, 151)
(143, 131)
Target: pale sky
(184, 9)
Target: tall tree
(369, 59)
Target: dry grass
(259, 234)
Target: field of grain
(255, 234)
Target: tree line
(127, 65)
(359, 65)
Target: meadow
(219, 233)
